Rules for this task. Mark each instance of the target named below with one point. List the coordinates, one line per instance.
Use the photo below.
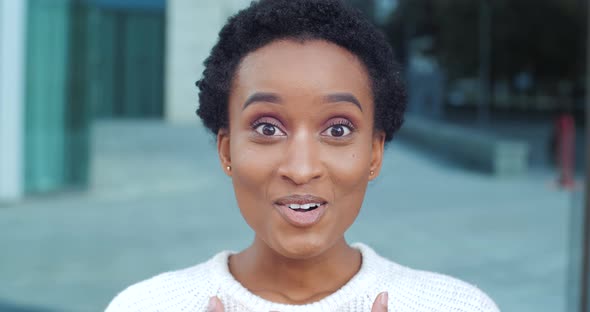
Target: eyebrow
(262, 97)
(343, 97)
(275, 98)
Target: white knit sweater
(409, 291)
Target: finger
(215, 305)
(380, 303)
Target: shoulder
(172, 291)
(416, 290)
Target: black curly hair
(266, 21)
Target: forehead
(311, 65)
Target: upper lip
(300, 200)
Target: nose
(301, 162)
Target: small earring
(228, 168)
(372, 172)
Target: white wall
(191, 30)
(12, 57)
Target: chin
(300, 247)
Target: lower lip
(300, 218)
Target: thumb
(215, 305)
(380, 303)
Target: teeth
(304, 206)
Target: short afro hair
(266, 21)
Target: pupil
(337, 131)
(268, 130)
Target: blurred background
(107, 177)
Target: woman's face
(301, 144)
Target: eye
(338, 130)
(268, 129)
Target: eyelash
(265, 121)
(274, 123)
(341, 122)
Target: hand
(215, 305)
(379, 305)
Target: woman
(302, 96)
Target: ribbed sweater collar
(363, 282)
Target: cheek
(250, 167)
(349, 171)
(252, 163)
(349, 180)
(349, 176)
(252, 170)
(249, 178)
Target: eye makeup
(340, 121)
(273, 122)
(266, 120)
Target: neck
(294, 281)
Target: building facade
(12, 42)
(65, 63)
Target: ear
(377, 148)
(223, 150)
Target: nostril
(300, 177)
(301, 163)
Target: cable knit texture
(409, 291)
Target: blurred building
(509, 57)
(192, 28)
(12, 33)
(64, 63)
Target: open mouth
(304, 207)
(301, 203)
(301, 210)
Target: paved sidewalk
(159, 201)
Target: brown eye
(337, 131)
(267, 129)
